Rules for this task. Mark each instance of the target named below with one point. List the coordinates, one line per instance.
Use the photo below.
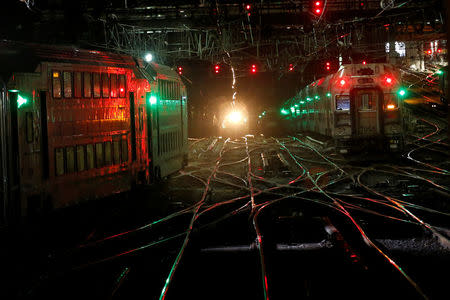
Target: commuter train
(233, 119)
(79, 124)
(359, 105)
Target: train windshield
(343, 102)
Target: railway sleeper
(284, 167)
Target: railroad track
(258, 202)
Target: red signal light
(328, 66)
(429, 51)
(248, 7)
(439, 50)
(342, 82)
(253, 69)
(291, 67)
(364, 62)
(317, 7)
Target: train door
(9, 155)
(366, 108)
(133, 126)
(150, 127)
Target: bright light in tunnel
(235, 117)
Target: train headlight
(390, 106)
(235, 117)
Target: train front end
(367, 107)
(233, 119)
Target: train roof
(25, 57)
(158, 71)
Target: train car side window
(90, 156)
(99, 155)
(96, 80)
(70, 159)
(114, 93)
(29, 126)
(80, 158)
(87, 85)
(122, 85)
(116, 151)
(56, 84)
(67, 77)
(124, 150)
(108, 159)
(77, 80)
(59, 161)
(105, 85)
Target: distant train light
(390, 106)
(284, 112)
(253, 69)
(148, 57)
(291, 67)
(21, 101)
(235, 117)
(180, 70)
(328, 66)
(216, 69)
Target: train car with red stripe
(359, 106)
(83, 124)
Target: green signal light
(308, 99)
(292, 109)
(284, 112)
(439, 72)
(402, 92)
(316, 97)
(21, 101)
(152, 100)
(302, 102)
(328, 94)
(263, 113)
